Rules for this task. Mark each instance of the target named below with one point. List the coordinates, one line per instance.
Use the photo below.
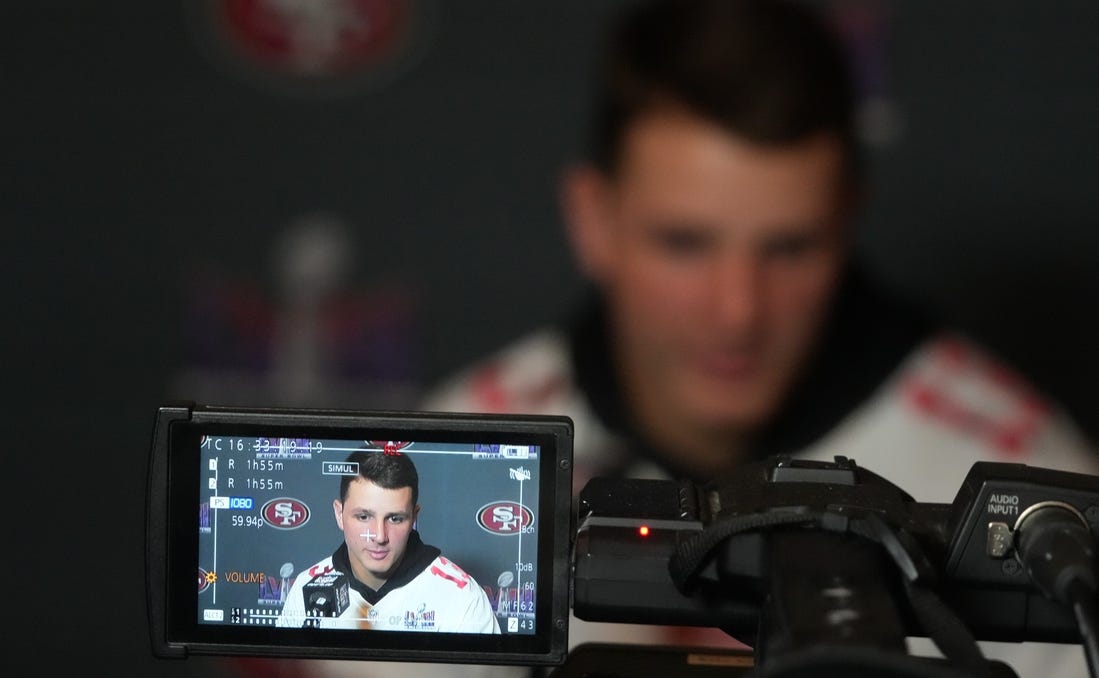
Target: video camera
(823, 568)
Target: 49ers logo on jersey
(285, 513)
(505, 517)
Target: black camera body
(790, 554)
(819, 566)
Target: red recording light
(643, 530)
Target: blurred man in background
(727, 321)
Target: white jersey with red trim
(947, 405)
(442, 597)
(950, 405)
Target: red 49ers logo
(390, 447)
(312, 47)
(505, 517)
(285, 513)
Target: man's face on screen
(718, 258)
(376, 523)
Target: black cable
(1087, 619)
(1058, 552)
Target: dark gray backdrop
(133, 159)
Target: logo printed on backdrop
(204, 518)
(866, 31)
(505, 517)
(273, 590)
(316, 339)
(285, 513)
(314, 48)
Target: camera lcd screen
(413, 536)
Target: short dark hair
(389, 471)
(771, 71)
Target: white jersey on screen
(442, 597)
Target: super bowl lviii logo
(285, 513)
(505, 518)
(273, 590)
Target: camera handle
(828, 597)
(828, 610)
(751, 553)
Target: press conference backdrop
(320, 205)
